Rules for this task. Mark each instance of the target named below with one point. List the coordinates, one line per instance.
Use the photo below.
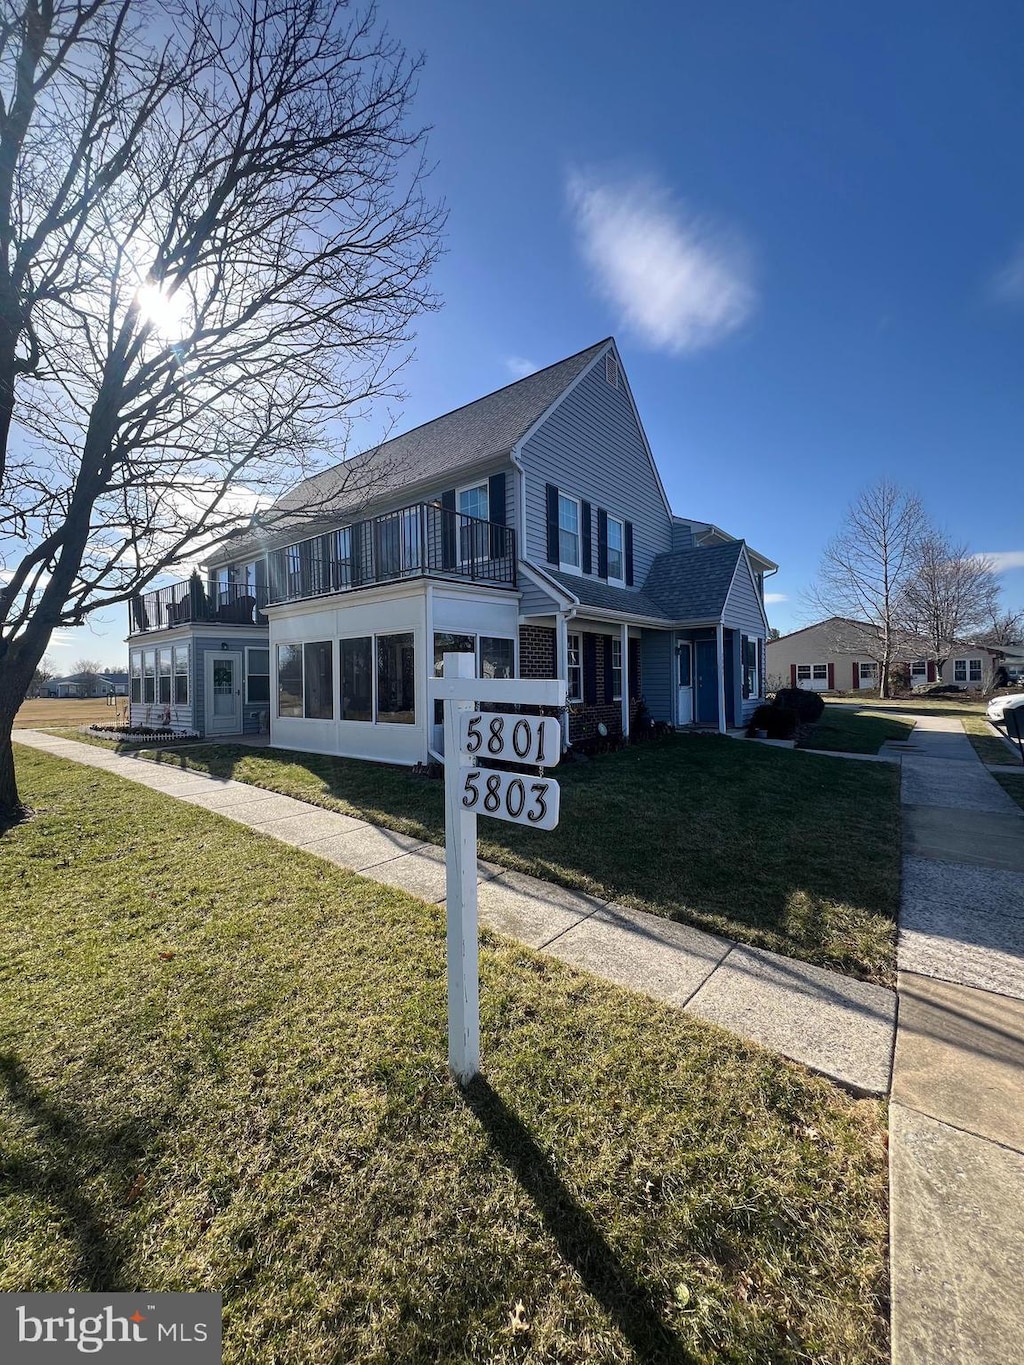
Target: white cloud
(1007, 284)
(776, 597)
(59, 640)
(1002, 560)
(677, 280)
(519, 366)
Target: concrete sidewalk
(831, 1023)
(956, 1134)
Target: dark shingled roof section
(692, 585)
(595, 592)
(439, 449)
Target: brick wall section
(537, 660)
(536, 652)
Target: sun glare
(166, 312)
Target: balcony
(195, 602)
(424, 539)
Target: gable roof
(693, 585)
(846, 621)
(462, 439)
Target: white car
(998, 705)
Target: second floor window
(568, 531)
(616, 552)
(473, 502)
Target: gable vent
(611, 370)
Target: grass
(988, 747)
(789, 852)
(223, 1068)
(50, 711)
(1013, 785)
(849, 730)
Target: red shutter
(931, 670)
(856, 677)
(792, 675)
(831, 677)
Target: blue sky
(803, 222)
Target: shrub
(778, 722)
(807, 705)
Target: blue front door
(707, 683)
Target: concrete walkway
(956, 1132)
(829, 1022)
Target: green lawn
(855, 730)
(789, 852)
(987, 746)
(1013, 784)
(222, 1067)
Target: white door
(684, 684)
(223, 693)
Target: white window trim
(360, 635)
(571, 568)
(960, 664)
(616, 692)
(470, 488)
(981, 670)
(802, 676)
(247, 651)
(185, 649)
(620, 522)
(815, 677)
(275, 694)
(571, 668)
(872, 671)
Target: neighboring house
(530, 528)
(86, 685)
(840, 655)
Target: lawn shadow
(66, 1146)
(575, 1231)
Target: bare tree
(213, 239)
(44, 671)
(950, 595)
(88, 671)
(865, 568)
(1003, 628)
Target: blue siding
(535, 601)
(200, 647)
(742, 607)
(682, 536)
(591, 448)
(656, 672)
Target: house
(86, 685)
(841, 655)
(530, 527)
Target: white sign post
(469, 791)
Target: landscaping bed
(223, 1067)
(785, 851)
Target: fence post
(460, 862)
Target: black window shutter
(590, 669)
(448, 537)
(551, 493)
(496, 513)
(602, 544)
(496, 499)
(609, 687)
(628, 537)
(634, 669)
(585, 538)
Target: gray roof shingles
(442, 448)
(595, 592)
(692, 585)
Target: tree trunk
(15, 677)
(11, 809)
